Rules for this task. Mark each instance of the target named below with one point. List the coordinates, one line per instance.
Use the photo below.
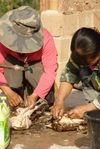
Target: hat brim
(18, 43)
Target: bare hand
(30, 102)
(79, 111)
(13, 98)
(57, 110)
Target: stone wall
(63, 17)
(69, 6)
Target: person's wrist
(59, 101)
(34, 96)
(5, 88)
(91, 106)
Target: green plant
(6, 5)
(3, 8)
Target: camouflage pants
(24, 82)
(90, 94)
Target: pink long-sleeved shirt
(47, 55)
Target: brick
(65, 51)
(63, 47)
(59, 24)
(96, 21)
(44, 5)
(54, 4)
(62, 25)
(85, 19)
(89, 18)
(70, 24)
(53, 21)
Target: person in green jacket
(84, 66)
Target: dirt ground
(49, 139)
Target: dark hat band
(24, 30)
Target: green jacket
(74, 72)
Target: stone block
(70, 24)
(59, 24)
(63, 47)
(53, 21)
(90, 18)
(44, 5)
(96, 19)
(54, 4)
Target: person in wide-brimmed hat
(28, 57)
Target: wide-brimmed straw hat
(21, 31)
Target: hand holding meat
(57, 110)
(13, 98)
(78, 112)
(31, 100)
